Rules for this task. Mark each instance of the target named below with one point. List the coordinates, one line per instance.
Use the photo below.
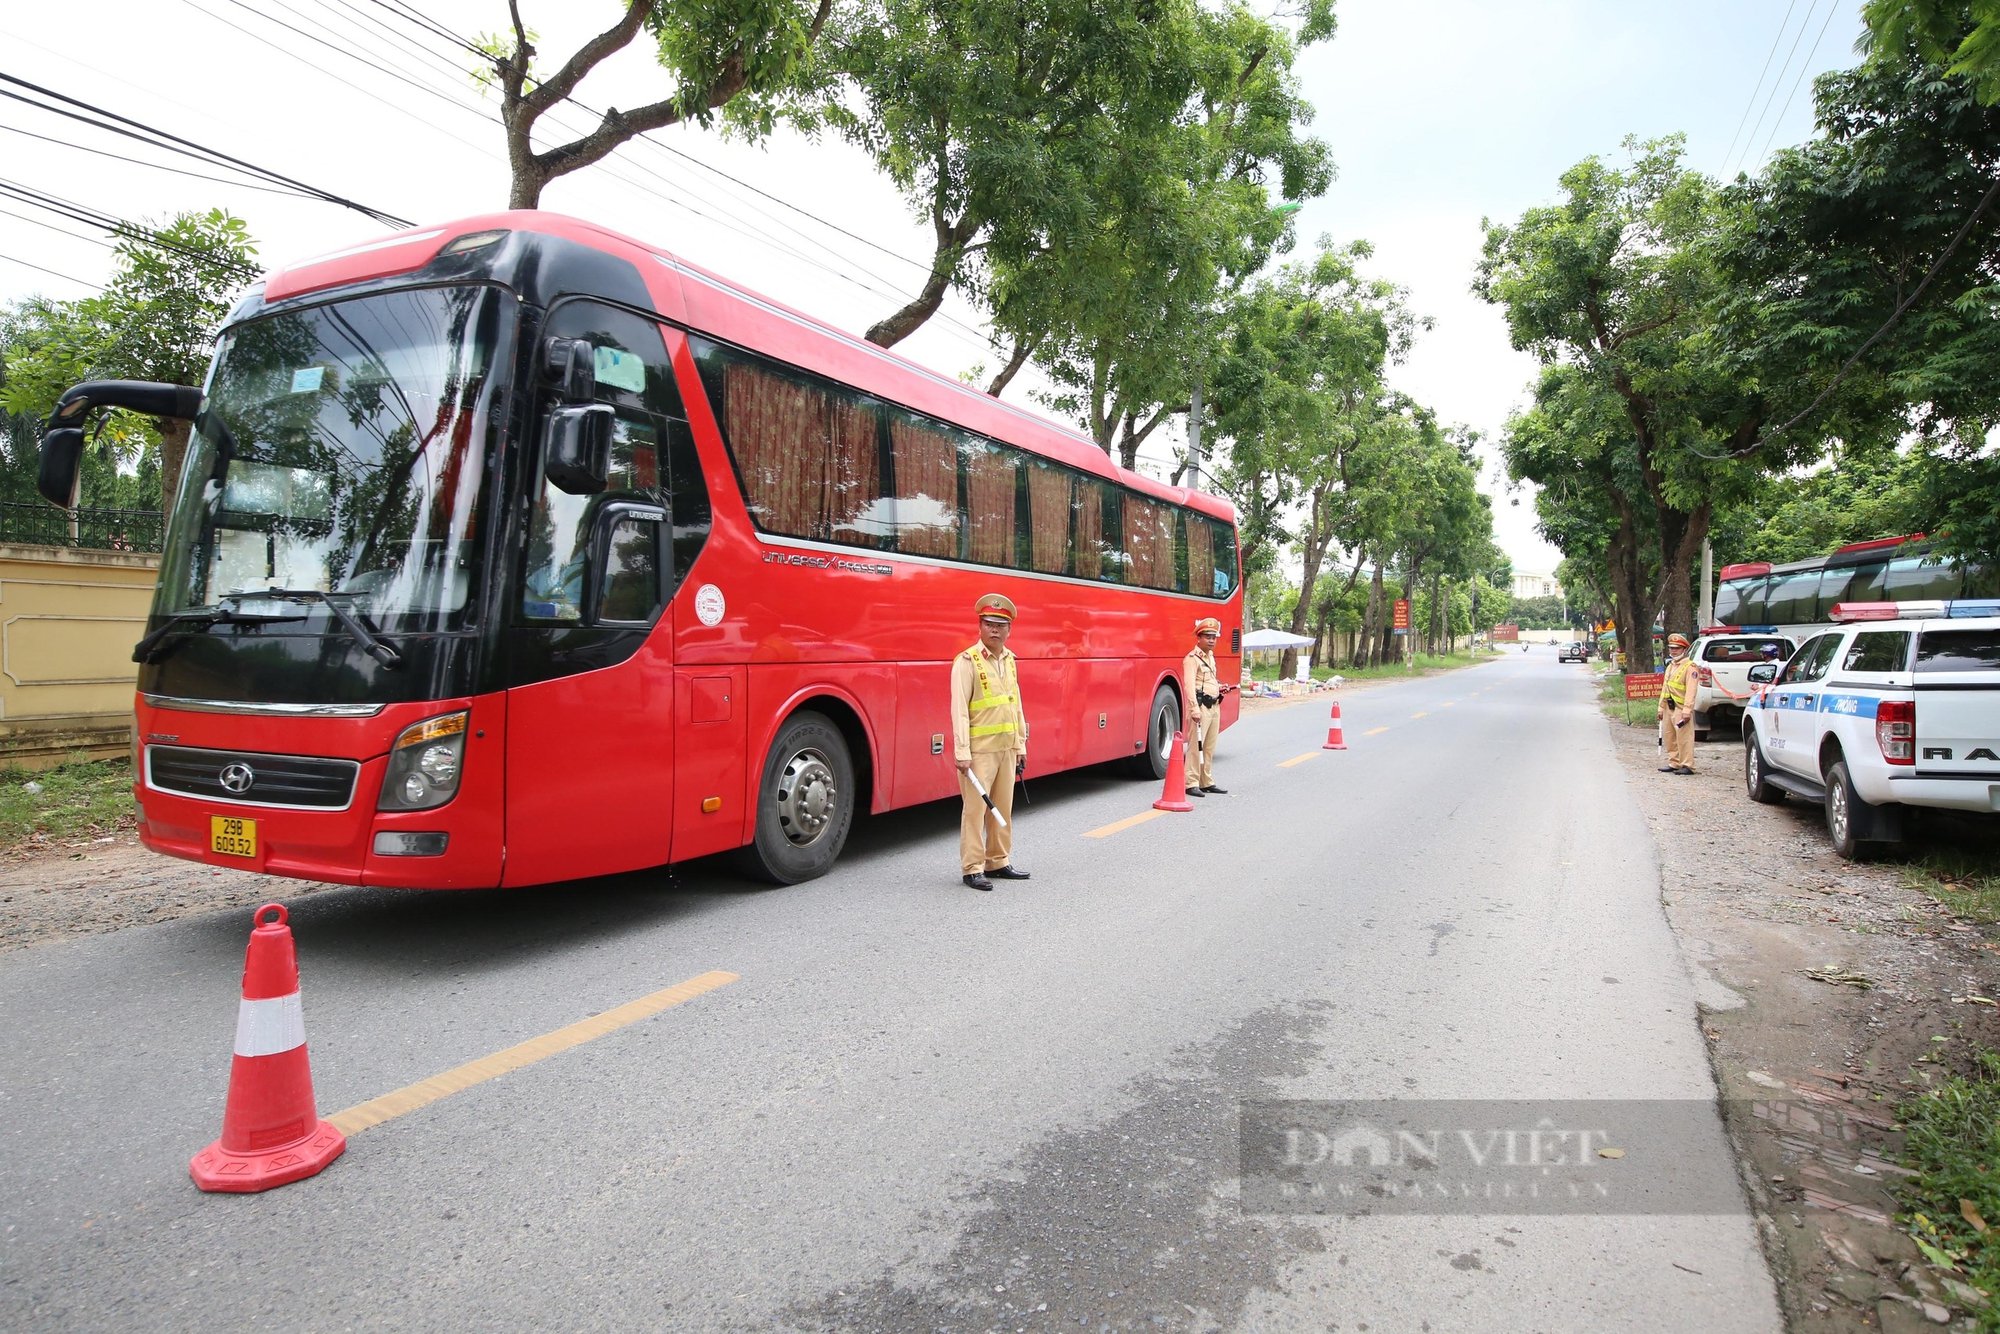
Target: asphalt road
(920, 1107)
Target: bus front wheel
(805, 802)
(1163, 719)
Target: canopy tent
(1274, 639)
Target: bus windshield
(340, 458)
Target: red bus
(514, 550)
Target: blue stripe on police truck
(1851, 706)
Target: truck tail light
(1896, 730)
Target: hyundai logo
(237, 778)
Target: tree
(1963, 37)
(1863, 272)
(157, 320)
(740, 57)
(1062, 153)
(1620, 285)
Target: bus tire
(1163, 719)
(805, 802)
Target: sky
(1439, 115)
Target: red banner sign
(1644, 685)
(1402, 620)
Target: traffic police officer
(1677, 707)
(989, 742)
(1203, 691)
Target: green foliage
(80, 799)
(1964, 37)
(1549, 613)
(1951, 1139)
(157, 320)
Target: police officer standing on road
(1202, 689)
(989, 743)
(1677, 707)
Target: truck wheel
(1754, 780)
(805, 803)
(1842, 806)
(1163, 719)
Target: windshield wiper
(187, 622)
(336, 603)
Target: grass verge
(1964, 879)
(80, 799)
(1952, 1142)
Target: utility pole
(1194, 435)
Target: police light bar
(1886, 611)
(1720, 630)
(1973, 607)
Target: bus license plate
(232, 836)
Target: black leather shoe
(1668, 768)
(1008, 872)
(978, 881)
(1684, 770)
(1196, 792)
(1212, 788)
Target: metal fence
(100, 530)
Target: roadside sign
(1641, 685)
(1401, 622)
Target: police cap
(1208, 625)
(994, 604)
(1677, 641)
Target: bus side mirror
(1763, 673)
(572, 364)
(62, 441)
(579, 447)
(62, 466)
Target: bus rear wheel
(805, 802)
(1163, 719)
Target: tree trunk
(173, 453)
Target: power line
(157, 166)
(75, 212)
(1777, 37)
(1772, 97)
(187, 147)
(1803, 68)
(64, 231)
(83, 282)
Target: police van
(1897, 706)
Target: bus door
(589, 654)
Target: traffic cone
(1333, 740)
(1173, 797)
(271, 1131)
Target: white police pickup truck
(1898, 706)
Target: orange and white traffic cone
(1173, 797)
(1333, 739)
(271, 1131)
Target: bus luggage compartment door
(590, 773)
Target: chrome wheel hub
(807, 797)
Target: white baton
(986, 797)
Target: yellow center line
(1375, 731)
(426, 1091)
(1299, 759)
(1119, 826)
(1420, 714)
(1448, 703)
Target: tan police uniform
(1677, 708)
(989, 729)
(1202, 689)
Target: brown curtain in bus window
(1149, 543)
(926, 489)
(778, 433)
(1048, 519)
(1201, 557)
(1089, 530)
(854, 477)
(989, 493)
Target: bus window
(992, 486)
(1915, 578)
(1091, 554)
(1051, 496)
(926, 515)
(1793, 599)
(1149, 543)
(807, 451)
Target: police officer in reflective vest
(989, 742)
(1677, 707)
(1202, 689)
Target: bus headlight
(424, 765)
